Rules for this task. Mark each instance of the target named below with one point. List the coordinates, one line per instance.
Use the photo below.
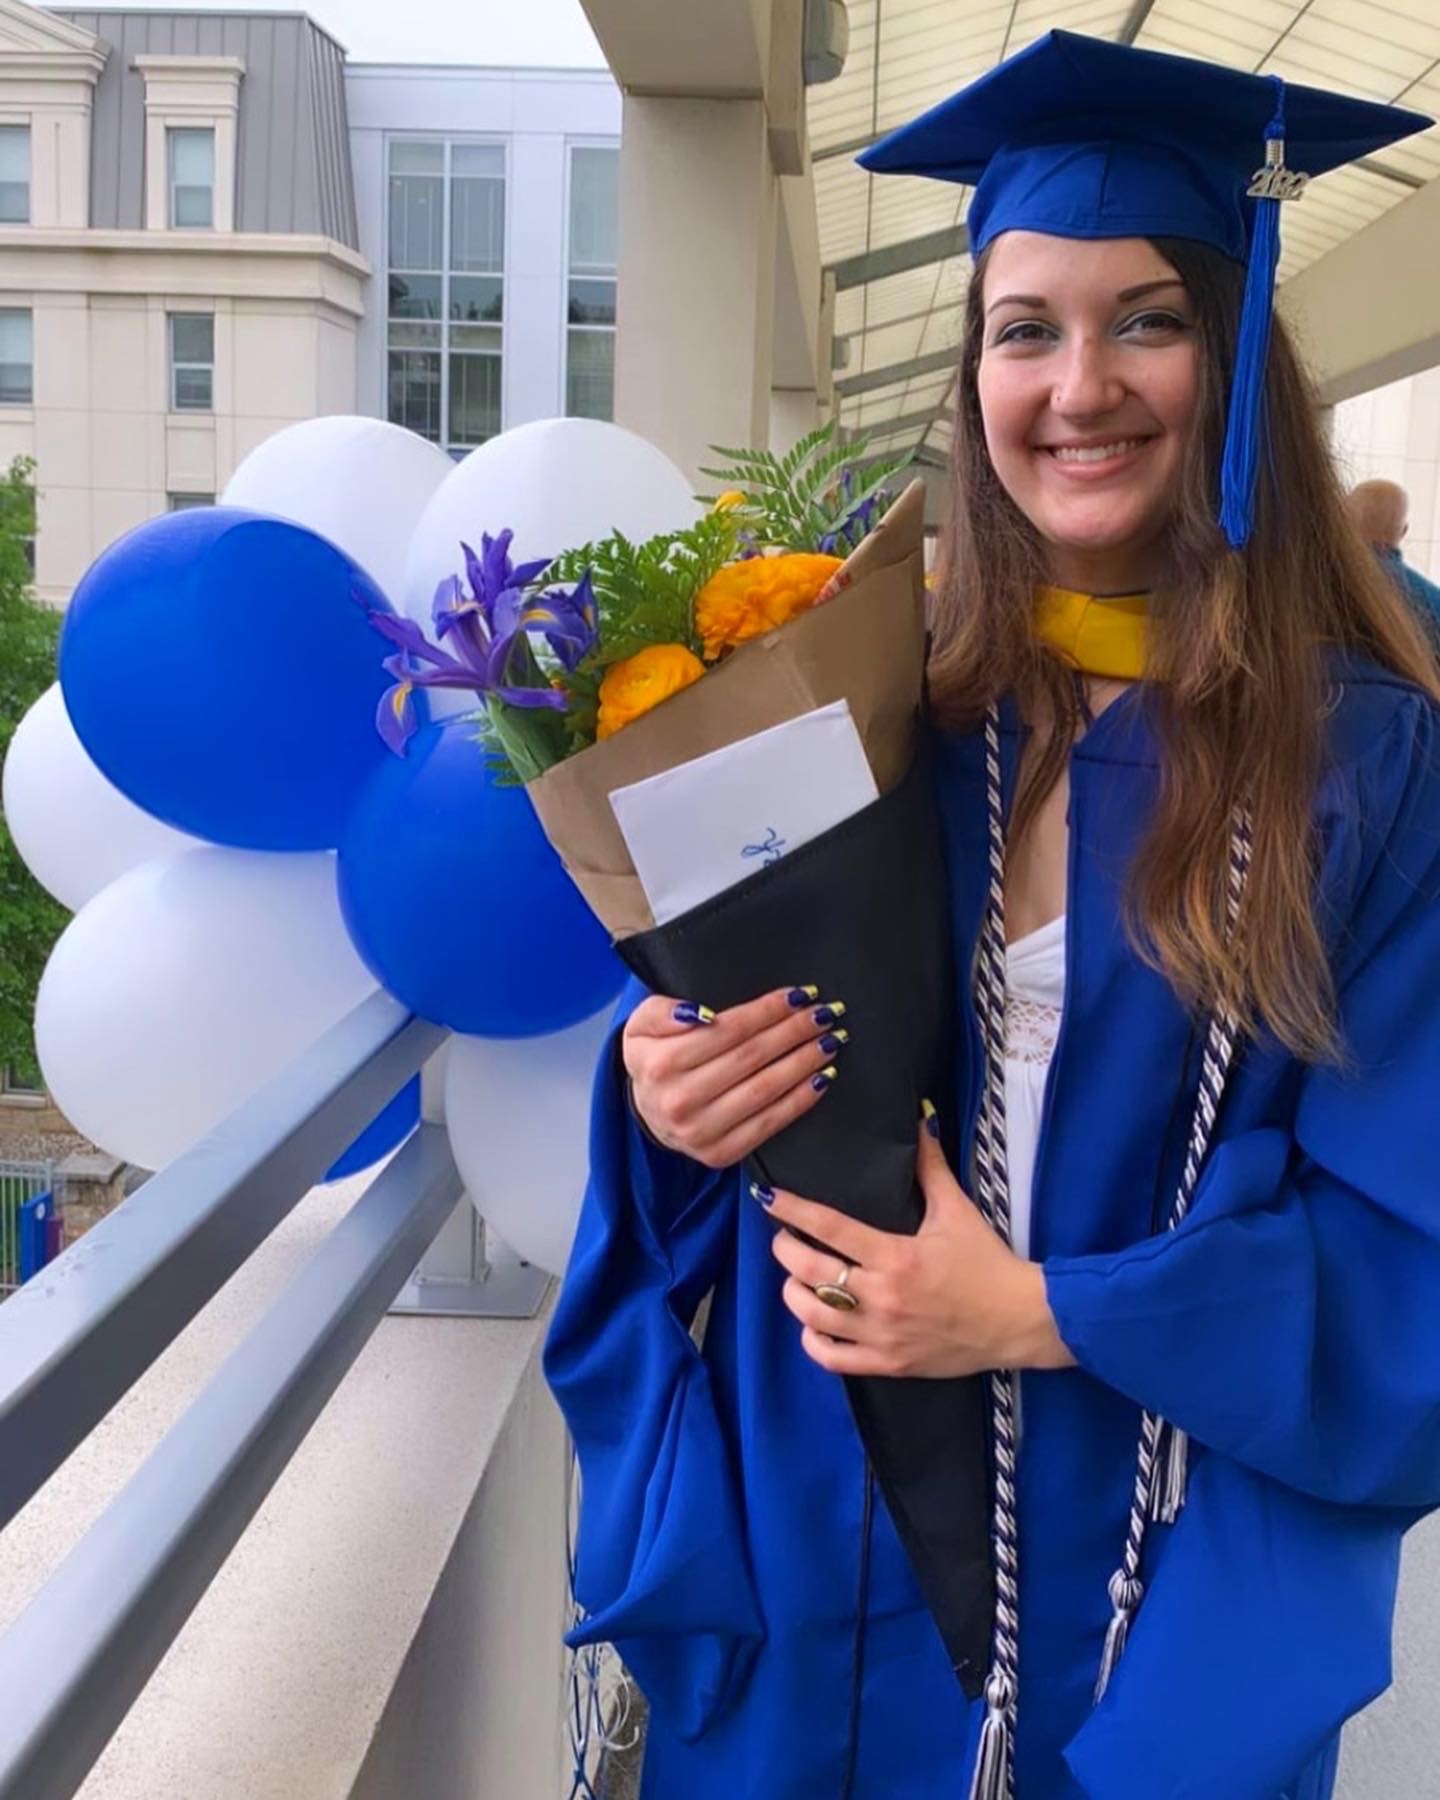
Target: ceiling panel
(907, 55)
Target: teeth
(1095, 453)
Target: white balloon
(186, 985)
(75, 830)
(557, 484)
(362, 483)
(518, 1114)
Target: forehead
(1033, 262)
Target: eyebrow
(1124, 297)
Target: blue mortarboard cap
(1078, 137)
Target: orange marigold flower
(631, 688)
(745, 599)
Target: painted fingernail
(830, 1014)
(822, 1081)
(931, 1118)
(759, 1191)
(690, 1012)
(803, 996)
(832, 1041)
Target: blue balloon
(219, 667)
(390, 1127)
(457, 903)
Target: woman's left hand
(951, 1300)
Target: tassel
(1240, 464)
(1126, 1593)
(1169, 1490)
(994, 1758)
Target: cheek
(1007, 407)
(1174, 393)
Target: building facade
(179, 257)
(487, 207)
(211, 226)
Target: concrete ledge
(435, 1474)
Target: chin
(1114, 528)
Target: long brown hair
(1237, 661)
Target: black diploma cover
(864, 910)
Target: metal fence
(19, 1182)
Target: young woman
(1191, 781)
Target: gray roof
(293, 146)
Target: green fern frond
(811, 498)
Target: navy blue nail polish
(832, 1041)
(759, 1191)
(931, 1118)
(803, 996)
(830, 1014)
(690, 1012)
(822, 1081)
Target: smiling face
(1088, 382)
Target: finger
(808, 1040)
(815, 1315)
(813, 1266)
(728, 1105)
(655, 1015)
(691, 1037)
(755, 1034)
(857, 1243)
(769, 1123)
(701, 1108)
(932, 1171)
(844, 1358)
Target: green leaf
(30, 921)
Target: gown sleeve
(1291, 1322)
(661, 1567)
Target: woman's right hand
(715, 1086)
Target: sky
(549, 33)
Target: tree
(30, 921)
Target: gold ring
(837, 1293)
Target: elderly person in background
(1380, 511)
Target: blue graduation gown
(731, 1546)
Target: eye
(1153, 323)
(1025, 331)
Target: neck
(1101, 572)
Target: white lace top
(1035, 994)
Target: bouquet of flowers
(668, 694)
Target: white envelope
(703, 826)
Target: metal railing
(19, 1182)
(74, 1661)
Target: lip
(1085, 472)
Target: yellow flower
(728, 501)
(631, 688)
(745, 599)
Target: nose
(1087, 383)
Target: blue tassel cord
(1240, 465)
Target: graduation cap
(1077, 137)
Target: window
(446, 284)
(192, 362)
(594, 255)
(14, 174)
(17, 356)
(191, 155)
(184, 502)
(23, 1078)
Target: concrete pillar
(1365, 312)
(698, 199)
(793, 412)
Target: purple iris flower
(479, 633)
(856, 523)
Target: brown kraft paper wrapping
(865, 646)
